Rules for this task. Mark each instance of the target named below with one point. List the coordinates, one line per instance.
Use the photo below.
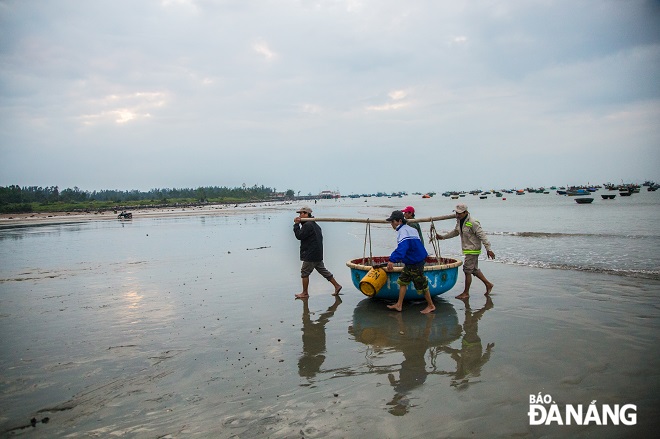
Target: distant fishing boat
(585, 200)
(608, 196)
(577, 192)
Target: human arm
(398, 254)
(476, 228)
(451, 234)
(302, 230)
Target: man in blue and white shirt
(410, 250)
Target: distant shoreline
(49, 218)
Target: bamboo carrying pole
(378, 221)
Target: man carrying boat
(408, 214)
(412, 253)
(311, 251)
(472, 237)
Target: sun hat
(460, 208)
(408, 209)
(304, 209)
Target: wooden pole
(378, 221)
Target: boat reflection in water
(422, 339)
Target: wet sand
(45, 218)
(187, 327)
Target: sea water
(187, 326)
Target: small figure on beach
(311, 251)
(412, 253)
(472, 238)
(408, 214)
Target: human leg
(305, 271)
(407, 276)
(470, 265)
(422, 285)
(336, 285)
(305, 289)
(398, 306)
(466, 290)
(482, 278)
(430, 306)
(320, 267)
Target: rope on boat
(436, 245)
(364, 251)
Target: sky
(358, 96)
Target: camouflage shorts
(414, 274)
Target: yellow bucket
(373, 281)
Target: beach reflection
(313, 338)
(471, 356)
(421, 339)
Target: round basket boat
(441, 273)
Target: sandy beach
(44, 218)
(185, 325)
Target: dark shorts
(308, 267)
(414, 274)
(471, 264)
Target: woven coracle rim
(431, 263)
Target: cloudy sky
(350, 95)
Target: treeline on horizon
(17, 199)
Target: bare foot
(463, 296)
(302, 296)
(489, 288)
(337, 290)
(395, 307)
(428, 309)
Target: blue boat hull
(441, 275)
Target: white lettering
(631, 419)
(592, 415)
(554, 415)
(572, 413)
(613, 414)
(534, 410)
(575, 415)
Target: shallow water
(187, 327)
